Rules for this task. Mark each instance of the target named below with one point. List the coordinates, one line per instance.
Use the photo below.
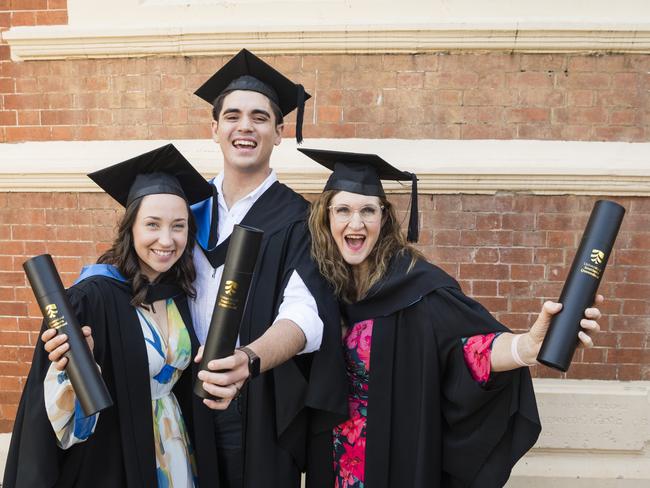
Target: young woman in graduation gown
(135, 304)
(439, 391)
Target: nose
(165, 238)
(355, 221)
(245, 123)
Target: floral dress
(175, 465)
(350, 436)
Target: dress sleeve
(477, 351)
(486, 428)
(64, 411)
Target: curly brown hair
(330, 262)
(123, 256)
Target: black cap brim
(163, 170)
(245, 64)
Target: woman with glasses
(439, 391)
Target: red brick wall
(14, 13)
(439, 95)
(510, 251)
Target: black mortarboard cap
(362, 173)
(163, 170)
(245, 71)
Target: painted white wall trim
(65, 42)
(443, 166)
(119, 28)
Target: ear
(278, 134)
(213, 128)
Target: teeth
(162, 253)
(245, 143)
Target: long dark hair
(122, 255)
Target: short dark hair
(217, 105)
(123, 256)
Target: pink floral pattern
(350, 436)
(477, 351)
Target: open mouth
(355, 241)
(244, 144)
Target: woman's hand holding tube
(537, 333)
(57, 345)
(508, 349)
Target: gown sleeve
(486, 428)
(64, 411)
(34, 454)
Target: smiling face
(160, 233)
(246, 131)
(356, 238)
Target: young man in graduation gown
(290, 335)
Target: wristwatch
(253, 361)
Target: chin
(355, 260)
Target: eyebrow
(256, 111)
(183, 219)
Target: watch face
(254, 366)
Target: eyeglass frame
(357, 211)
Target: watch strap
(253, 361)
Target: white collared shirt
(298, 304)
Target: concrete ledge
(443, 166)
(100, 29)
(595, 434)
(63, 42)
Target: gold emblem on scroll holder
(231, 287)
(52, 314)
(597, 256)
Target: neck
(360, 275)
(237, 184)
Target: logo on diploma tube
(593, 267)
(54, 320)
(231, 287)
(228, 298)
(597, 256)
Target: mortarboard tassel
(413, 230)
(300, 102)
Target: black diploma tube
(582, 283)
(82, 370)
(231, 299)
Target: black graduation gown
(430, 424)
(276, 405)
(121, 451)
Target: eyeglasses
(369, 214)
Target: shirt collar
(252, 196)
